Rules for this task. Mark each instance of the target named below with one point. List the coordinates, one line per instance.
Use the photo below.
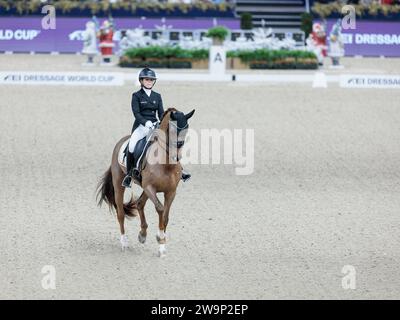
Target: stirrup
(127, 181)
(135, 172)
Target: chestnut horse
(162, 173)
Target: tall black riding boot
(129, 166)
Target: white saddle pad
(121, 159)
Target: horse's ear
(190, 114)
(172, 115)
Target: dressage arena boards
(324, 193)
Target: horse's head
(175, 124)
(178, 126)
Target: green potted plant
(218, 34)
(306, 23)
(246, 21)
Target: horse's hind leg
(119, 200)
(141, 202)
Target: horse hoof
(142, 239)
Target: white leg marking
(124, 241)
(161, 234)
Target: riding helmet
(147, 73)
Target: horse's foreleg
(163, 222)
(141, 202)
(151, 193)
(169, 197)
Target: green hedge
(276, 59)
(166, 53)
(176, 57)
(270, 55)
(161, 57)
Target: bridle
(178, 144)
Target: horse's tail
(130, 208)
(105, 192)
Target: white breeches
(139, 133)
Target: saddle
(139, 155)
